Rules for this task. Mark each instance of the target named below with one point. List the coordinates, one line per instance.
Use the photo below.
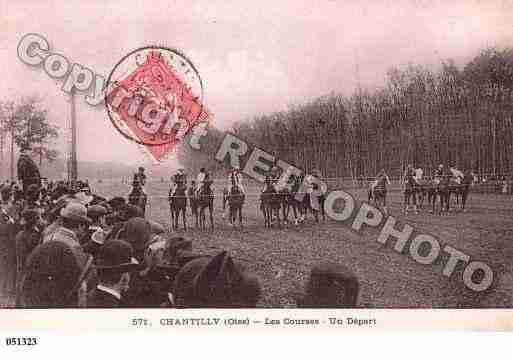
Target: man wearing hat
(27, 239)
(74, 224)
(140, 178)
(55, 277)
(28, 173)
(95, 236)
(113, 265)
(235, 178)
(200, 179)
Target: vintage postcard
(349, 163)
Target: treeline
(455, 116)
(25, 121)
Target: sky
(254, 57)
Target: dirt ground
(283, 257)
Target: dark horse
(378, 194)
(300, 200)
(178, 205)
(205, 199)
(289, 201)
(235, 200)
(137, 197)
(270, 204)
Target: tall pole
(494, 147)
(74, 167)
(2, 138)
(12, 154)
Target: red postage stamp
(154, 97)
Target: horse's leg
(171, 215)
(464, 196)
(322, 200)
(211, 210)
(384, 201)
(184, 209)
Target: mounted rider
(235, 179)
(439, 173)
(457, 174)
(140, 179)
(273, 177)
(200, 179)
(409, 176)
(410, 186)
(179, 178)
(381, 182)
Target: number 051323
(25, 341)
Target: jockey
(380, 184)
(457, 174)
(381, 181)
(235, 177)
(439, 173)
(200, 179)
(178, 178)
(409, 174)
(410, 183)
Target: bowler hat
(53, 274)
(117, 202)
(137, 232)
(131, 211)
(95, 211)
(116, 256)
(75, 211)
(30, 216)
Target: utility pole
(494, 147)
(2, 138)
(12, 153)
(73, 168)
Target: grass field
(282, 258)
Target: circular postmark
(154, 96)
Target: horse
(235, 200)
(378, 194)
(205, 198)
(270, 204)
(410, 192)
(178, 205)
(288, 200)
(137, 197)
(193, 203)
